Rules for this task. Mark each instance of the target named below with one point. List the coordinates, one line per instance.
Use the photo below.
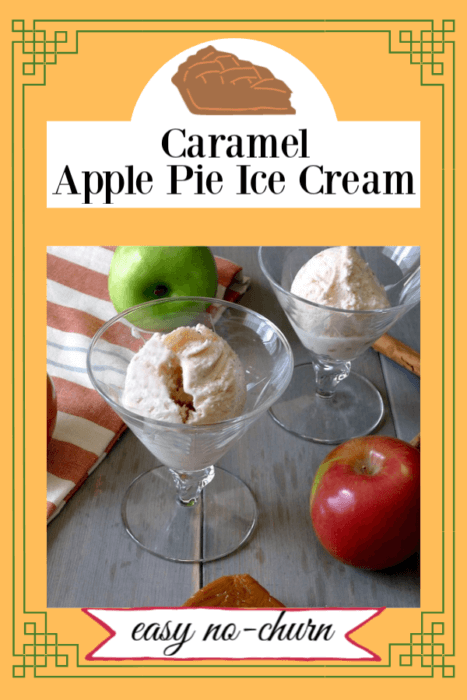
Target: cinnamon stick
(398, 352)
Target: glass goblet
(185, 509)
(326, 402)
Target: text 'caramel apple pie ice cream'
(339, 278)
(190, 375)
(218, 82)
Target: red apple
(365, 502)
(51, 408)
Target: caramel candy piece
(237, 591)
(217, 82)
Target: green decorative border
(433, 52)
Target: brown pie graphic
(217, 82)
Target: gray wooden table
(93, 562)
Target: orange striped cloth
(78, 304)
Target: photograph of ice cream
(241, 405)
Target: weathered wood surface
(93, 562)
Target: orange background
(365, 83)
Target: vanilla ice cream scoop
(339, 277)
(190, 375)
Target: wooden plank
(403, 387)
(91, 559)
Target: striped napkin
(78, 304)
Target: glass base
(221, 520)
(354, 410)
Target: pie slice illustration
(218, 82)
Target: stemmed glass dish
(326, 402)
(187, 510)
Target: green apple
(141, 273)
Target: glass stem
(328, 377)
(190, 484)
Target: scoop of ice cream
(190, 375)
(339, 277)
